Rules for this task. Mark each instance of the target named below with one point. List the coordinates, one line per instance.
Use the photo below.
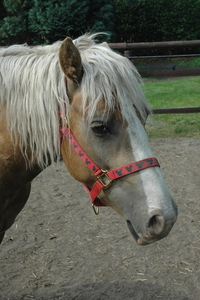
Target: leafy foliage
(52, 20)
(101, 16)
(158, 20)
(14, 26)
(38, 21)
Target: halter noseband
(104, 178)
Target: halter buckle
(105, 179)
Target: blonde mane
(33, 90)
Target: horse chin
(135, 235)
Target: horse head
(106, 115)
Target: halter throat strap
(104, 178)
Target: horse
(79, 101)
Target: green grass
(184, 92)
(187, 62)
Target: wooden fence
(124, 47)
(135, 51)
(128, 48)
(176, 110)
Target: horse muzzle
(158, 227)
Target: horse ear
(70, 60)
(105, 44)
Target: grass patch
(187, 62)
(184, 92)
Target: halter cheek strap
(104, 178)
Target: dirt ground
(58, 249)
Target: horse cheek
(75, 166)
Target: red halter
(104, 178)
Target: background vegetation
(158, 20)
(182, 92)
(43, 22)
(38, 21)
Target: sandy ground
(58, 249)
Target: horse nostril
(156, 224)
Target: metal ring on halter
(96, 209)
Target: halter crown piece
(104, 178)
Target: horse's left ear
(70, 60)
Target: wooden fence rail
(176, 110)
(155, 45)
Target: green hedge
(39, 21)
(43, 22)
(157, 20)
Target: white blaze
(154, 187)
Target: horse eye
(99, 127)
